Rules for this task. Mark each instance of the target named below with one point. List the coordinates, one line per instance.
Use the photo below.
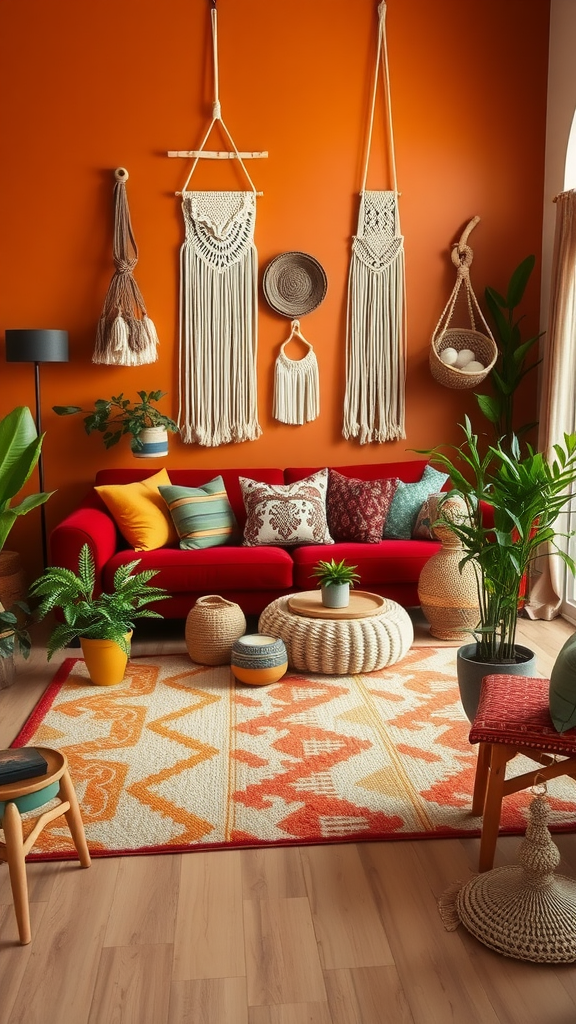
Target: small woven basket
(294, 284)
(212, 627)
(12, 579)
(484, 348)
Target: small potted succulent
(335, 580)
(116, 416)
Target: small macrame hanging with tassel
(376, 328)
(296, 383)
(126, 335)
(527, 911)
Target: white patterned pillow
(286, 514)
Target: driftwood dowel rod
(204, 154)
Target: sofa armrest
(86, 525)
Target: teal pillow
(203, 516)
(407, 502)
(562, 691)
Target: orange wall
(90, 87)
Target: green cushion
(407, 502)
(562, 691)
(203, 516)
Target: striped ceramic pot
(258, 659)
(153, 443)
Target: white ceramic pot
(337, 595)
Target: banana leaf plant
(19, 452)
(527, 494)
(511, 365)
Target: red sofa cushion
(197, 477)
(409, 472)
(390, 561)
(210, 570)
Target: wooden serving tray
(309, 602)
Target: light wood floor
(343, 934)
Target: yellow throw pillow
(140, 512)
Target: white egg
(473, 366)
(449, 356)
(466, 355)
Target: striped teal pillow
(203, 516)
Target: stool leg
(74, 819)
(481, 779)
(499, 757)
(12, 825)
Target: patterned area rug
(179, 757)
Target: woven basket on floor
(212, 626)
(12, 579)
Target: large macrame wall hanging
(376, 317)
(126, 335)
(218, 302)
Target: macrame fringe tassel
(296, 390)
(448, 907)
(374, 408)
(218, 346)
(125, 341)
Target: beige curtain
(556, 413)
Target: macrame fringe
(374, 408)
(448, 906)
(218, 350)
(296, 389)
(125, 335)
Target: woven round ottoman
(340, 646)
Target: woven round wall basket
(294, 284)
(484, 349)
(212, 626)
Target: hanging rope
(374, 404)
(126, 335)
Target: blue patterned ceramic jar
(258, 659)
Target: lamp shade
(36, 346)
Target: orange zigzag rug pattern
(182, 757)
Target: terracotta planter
(259, 660)
(471, 673)
(105, 660)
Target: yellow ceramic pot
(105, 660)
(259, 660)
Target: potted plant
(102, 624)
(525, 493)
(14, 639)
(510, 368)
(116, 416)
(335, 579)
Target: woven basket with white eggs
(461, 357)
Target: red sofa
(250, 576)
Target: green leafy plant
(19, 452)
(511, 365)
(526, 494)
(116, 416)
(106, 617)
(333, 573)
(14, 635)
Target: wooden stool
(28, 795)
(513, 718)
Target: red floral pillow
(356, 509)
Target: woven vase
(449, 596)
(212, 626)
(12, 579)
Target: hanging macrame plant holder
(374, 404)
(296, 383)
(469, 338)
(126, 336)
(218, 303)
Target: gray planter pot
(336, 595)
(471, 673)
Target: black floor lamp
(41, 346)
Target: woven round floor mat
(294, 284)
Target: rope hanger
(202, 153)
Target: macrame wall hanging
(218, 301)
(376, 319)
(294, 284)
(126, 335)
